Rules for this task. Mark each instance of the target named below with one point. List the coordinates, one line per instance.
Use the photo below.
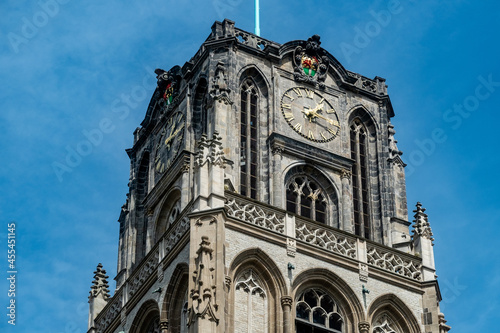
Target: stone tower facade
(267, 194)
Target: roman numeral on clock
(297, 127)
(310, 135)
(288, 116)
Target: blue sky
(66, 68)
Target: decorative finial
(100, 284)
(421, 225)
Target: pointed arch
(363, 147)
(253, 106)
(168, 213)
(174, 305)
(270, 286)
(257, 76)
(200, 112)
(390, 309)
(312, 194)
(147, 318)
(330, 283)
(142, 188)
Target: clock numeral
(289, 116)
(310, 94)
(321, 101)
(286, 106)
(332, 131)
(323, 136)
(335, 123)
(310, 135)
(297, 127)
(289, 96)
(330, 111)
(298, 92)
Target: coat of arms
(168, 84)
(311, 62)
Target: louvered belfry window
(359, 153)
(248, 140)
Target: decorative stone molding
(227, 282)
(175, 235)
(160, 272)
(219, 90)
(364, 327)
(143, 273)
(286, 301)
(110, 315)
(363, 272)
(202, 295)
(291, 247)
(327, 239)
(251, 213)
(393, 262)
(209, 151)
(421, 225)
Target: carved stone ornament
(311, 62)
(364, 327)
(209, 151)
(164, 326)
(168, 84)
(202, 295)
(100, 284)
(291, 247)
(421, 225)
(286, 301)
(219, 90)
(363, 272)
(346, 174)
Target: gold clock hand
(167, 140)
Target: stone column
(286, 305)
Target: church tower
(267, 195)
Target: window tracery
(383, 325)
(317, 312)
(248, 140)
(251, 307)
(359, 153)
(306, 198)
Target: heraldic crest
(311, 62)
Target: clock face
(169, 142)
(310, 114)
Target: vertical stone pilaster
(207, 299)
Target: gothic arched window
(248, 140)
(317, 312)
(251, 310)
(306, 198)
(360, 181)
